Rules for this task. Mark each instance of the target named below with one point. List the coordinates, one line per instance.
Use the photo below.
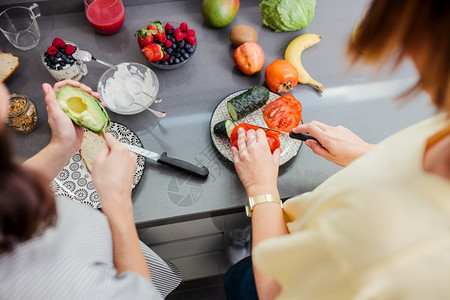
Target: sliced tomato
(283, 114)
(273, 137)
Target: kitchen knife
(299, 136)
(175, 163)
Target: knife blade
(175, 163)
(299, 136)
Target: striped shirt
(74, 260)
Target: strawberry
(191, 40)
(168, 27)
(69, 49)
(190, 32)
(178, 34)
(156, 26)
(184, 27)
(153, 52)
(58, 43)
(168, 44)
(165, 57)
(161, 37)
(145, 37)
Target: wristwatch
(252, 201)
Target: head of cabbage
(287, 15)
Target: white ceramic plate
(289, 146)
(75, 181)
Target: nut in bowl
(127, 88)
(167, 45)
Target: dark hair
(27, 205)
(402, 27)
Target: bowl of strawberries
(167, 45)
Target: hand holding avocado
(66, 136)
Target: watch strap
(260, 199)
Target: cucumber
(247, 102)
(224, 128)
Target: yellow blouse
(378, 229)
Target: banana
(293, 54)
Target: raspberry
(52, 50)
(178, 34)
(165, 57)
(184, 26)
(161, 37)
(190, 32)
(168, 44)
(70, 49)
(191, 40)
(58, 43)
(168, 27)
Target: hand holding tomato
(256, 166)
(273, 137)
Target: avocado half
(83, 108)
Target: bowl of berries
(60, 63)
(167, 45)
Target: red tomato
(283, 114)
(273, 137)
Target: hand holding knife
(175, 163)
(299, 136)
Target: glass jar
(22, 115)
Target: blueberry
(58, 55)
(174, 46)
(165, 63)
(182, 59)
(59, 68)
(191, 50)
(49, 63)
(69, 57)
(62, 63)
(170, 32)
(52, 66)
(177, 55)
(62, 51)
(186, 55)
(182, 51)
(181, 44)
(177, 61)
(63, 56)
(170, 50)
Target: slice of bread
(8, 64)
(91, 146)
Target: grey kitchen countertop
(356, 99)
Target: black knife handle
(302, 136)
(183, 166)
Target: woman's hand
(337, 144)
(256, 166)
(66, 135)
(112, 173)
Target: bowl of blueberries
(60, 63)
(173, 45)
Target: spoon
(126, 99)
(87, 56)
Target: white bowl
(126, 83)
